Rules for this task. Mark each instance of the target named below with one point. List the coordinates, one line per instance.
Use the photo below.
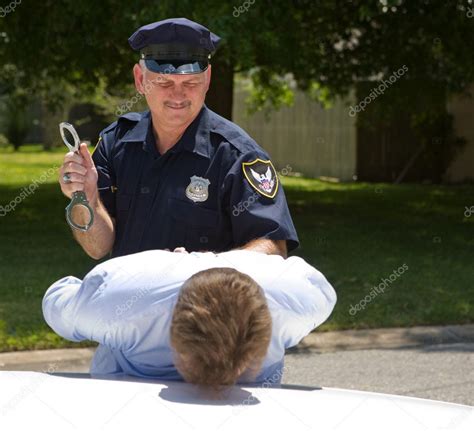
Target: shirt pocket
(199, 224)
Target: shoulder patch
(262, 177)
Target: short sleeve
(106, 181)
(257, 202)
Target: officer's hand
(177, 250)
(82, 172)
(180, 250)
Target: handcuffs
(78, 197)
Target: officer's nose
(178, 93)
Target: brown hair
(221, 327)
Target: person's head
(174, 71)
(221, 327)
(175, 99)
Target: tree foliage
(59, 49)
(332, 43)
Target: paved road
(441, 372)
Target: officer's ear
(208, 77)
(139, 76)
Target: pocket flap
(193, 214)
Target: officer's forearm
(99, 239)
(267, 246)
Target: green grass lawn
(356, 234)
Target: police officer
(177, 176)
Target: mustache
(178, 105)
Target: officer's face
(174, 99)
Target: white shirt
(126, 305)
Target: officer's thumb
(88, 162)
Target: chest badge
(197, 189)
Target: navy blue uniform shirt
(215, 189)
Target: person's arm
(60, 304)
(302, 298)
(267, 246)
(299, 296)
(257, 206)
(99, 239)
(86, 309)
(85, 176)
(115, 303)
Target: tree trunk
(50, 125)
(220, 95)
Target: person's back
(206, 318)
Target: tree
(327, 46)
(331, 43)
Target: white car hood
(63, 402)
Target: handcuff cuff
(78, 197)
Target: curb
(385, 338)
(47, 359)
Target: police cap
(175, 46)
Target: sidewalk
(77, 360)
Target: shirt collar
(139, 132)
(195, 139)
